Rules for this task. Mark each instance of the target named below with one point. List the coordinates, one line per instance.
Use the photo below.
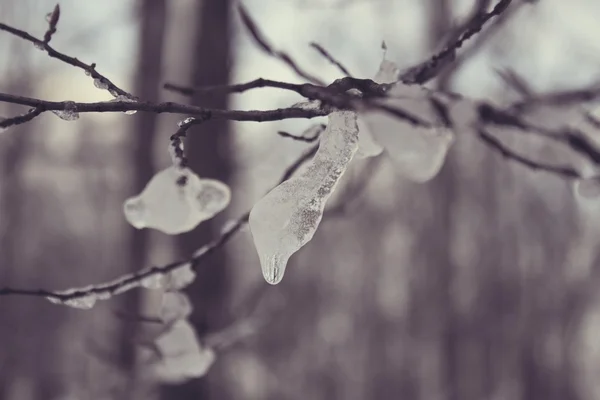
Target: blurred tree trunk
(208, 150)
(148, 78)
(12, 310)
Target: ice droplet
(100, 83)
(69, 113)
(287, 217)
(39, 46)
(175, 208)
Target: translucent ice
(287, 217)
(181, 357)
(69, 113)
(176, 200)
(175, 306)
(417, 151)
(100, 83)
(84, 303)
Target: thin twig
(262, 42)
(53, 18)
(90, 69)
(495, 144)
(330, 58)
(20, 119)
(428, 69)
(308, 136)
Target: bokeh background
(479, 285)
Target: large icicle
(287, 217)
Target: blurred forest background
(479, 285)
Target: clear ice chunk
(287, 217)
(175, 201)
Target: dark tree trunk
(208, 151)
(148, 78)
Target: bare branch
(330, 58)
(265, 46)
(168, 107)
(308, 136)
(495, 144)
(89, 69)
(430, 68)
(19, 119)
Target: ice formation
(180, 355)
(417, 151)
(287, 217)
(175, 201)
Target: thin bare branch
(430, 68)
(168, 107)
(53, 18)
(20, 119)
(564, 171)
(308, 136)
(90, 69)
(330, 58)
(262, 42)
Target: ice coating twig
(287, 217)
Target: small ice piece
(588, 188)
(100, 83)
(69, 113)
(84, 302)
(175, 306)
(180, 277)
(186, 121)
(181, 356)
(119, 97)
(173, 208)
(287, 217)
